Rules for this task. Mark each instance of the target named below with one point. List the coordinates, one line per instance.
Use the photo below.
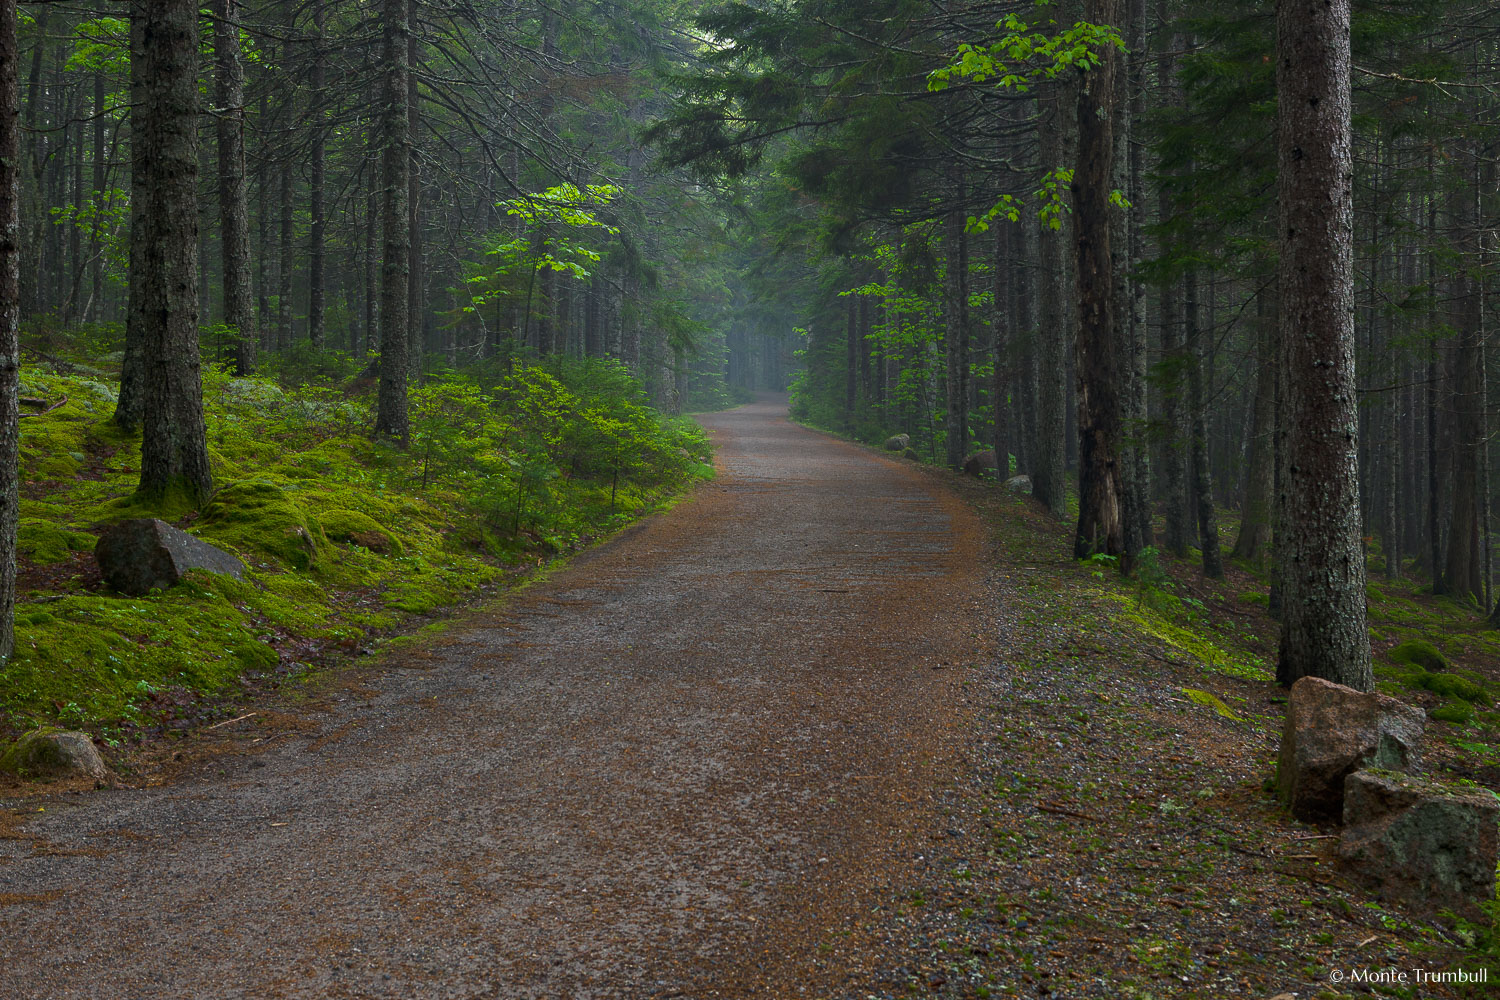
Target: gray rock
(1331, 731)
(55, 753)
(981, 464)
(1428, 844)
(138, 556)
(898, 443)
(1018, 484)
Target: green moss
(359, 529)
(1454, 686)
(296, 469)
(46, 543)
(1194, 645)
(257, 517)
(30, 756)
(1420, 653)
(1457, 712)
(1208, 700)
(53, 444)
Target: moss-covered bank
(344, 536)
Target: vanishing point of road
(690, 764)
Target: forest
(384, 310)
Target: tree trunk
(96, 257)
(10, 318)
(1323, 631)
(1203, 489)
(1137, 414)
(391, 418)
(851, 359)
(1101, 527)
(129, 405)
(956, 338)
(317, 226)
(285, 258)
(174, 447)
(1174, 453)
(371, 259)
(1002, 275)
(1051, 339)
(415, 304)
(1260, 478)
(1463, 574)
(234, 208)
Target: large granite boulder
(55, 753)
(1428, 844)
(138, 556)
(981, 464)
(898, 443)
(1018, 484)
(1332, 731)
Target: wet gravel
(691, 764)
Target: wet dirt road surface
(689, 764)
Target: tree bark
(316, 238)
(851, 358)
(391, 418)
(956, 339)
(1048, 460)
(285, 259)
(1254, 539)
(130, 404)
(1203, 488)
(1101, 527)
(1174, 453)
(1323, 631)
(10, 319)
(1463, 574)
(95, 309)
(174, 447)
(1136, 404)
(1002, 275)
(234, 206)
(415, 306)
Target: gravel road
(689, 764)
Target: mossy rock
(1454, 686)
(1460, 713)
(911, 453)
(360, 529)
(50, 752)
(256, 656)
(259, 516)
(46, 543)
(1420, 653)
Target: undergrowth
(343, 536)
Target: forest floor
(839, 726)
(1111, 834)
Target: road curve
(686, 765)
